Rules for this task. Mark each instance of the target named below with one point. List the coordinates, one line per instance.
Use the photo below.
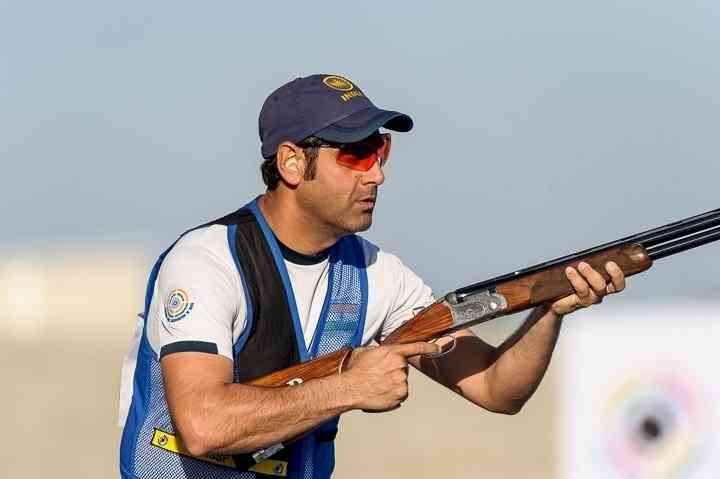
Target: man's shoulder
(211, 237)
(204, 245)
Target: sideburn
(311, 156)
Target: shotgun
(514, 292)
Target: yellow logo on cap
(338, 83)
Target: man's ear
(290, 163)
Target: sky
(541, 128)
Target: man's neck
(293, 227)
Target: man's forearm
(523, 358)
(236, 418)
(212, 414)
(502, 379)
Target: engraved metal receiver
(475, 308)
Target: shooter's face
(341, 198)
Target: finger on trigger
(413, 349)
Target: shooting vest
(272, 340)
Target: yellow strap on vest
(172, 443)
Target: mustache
(371, 195)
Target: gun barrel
(683, 244)
(652, 238)
(656, 237)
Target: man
(285, 279)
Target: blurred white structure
(43, 291)
(23, 296)
(639, 393)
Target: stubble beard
(347, 220)
(340, 221)
(365, 222)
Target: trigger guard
(445, 352)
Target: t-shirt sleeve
(410, 294)
(198, 302)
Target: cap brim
(364, 123)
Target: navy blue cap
(329, 107)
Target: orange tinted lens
(363, 156)
(351, 161)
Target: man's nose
(375, 174)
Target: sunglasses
(362, 155)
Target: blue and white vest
(272, 339)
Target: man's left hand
(590, 287)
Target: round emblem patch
(338, 83)
(177, 305)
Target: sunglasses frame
(387, 142)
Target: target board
(639, 392)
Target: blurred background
(541, 129)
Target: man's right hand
(378, 375)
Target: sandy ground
(60, 406)
(438, 434)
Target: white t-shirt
(199, 299)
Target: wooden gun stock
(552, 284)
(332, 363)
